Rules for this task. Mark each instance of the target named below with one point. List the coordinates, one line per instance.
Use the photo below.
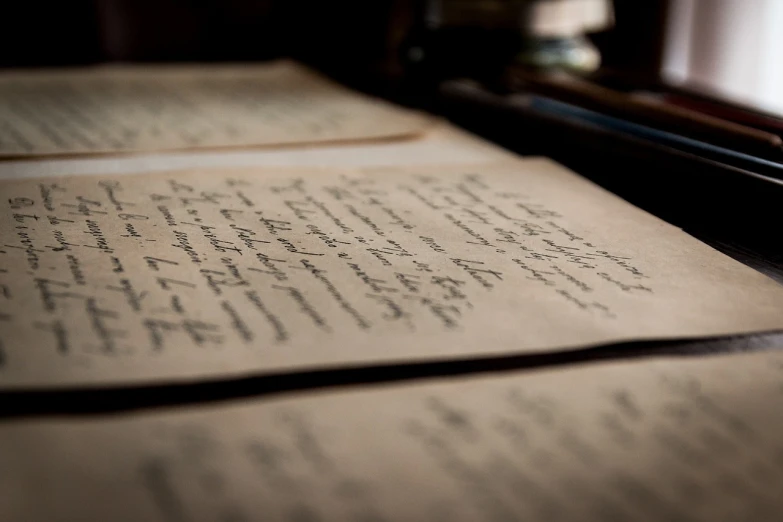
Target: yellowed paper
(443, 144)
(206, 274)
(127, 108)
(695, 440)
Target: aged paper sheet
(127, 108)
(206, 274)
(442, 144)
(673, 440)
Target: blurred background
(725, 47)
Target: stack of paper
(207, 266)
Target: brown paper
(132, 108)
(208, 274)
(674, 439)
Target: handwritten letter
(203, 274)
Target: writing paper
(696, 440)
(208, 274)
(132, 108)
(441, 144)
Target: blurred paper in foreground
(695, 440)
